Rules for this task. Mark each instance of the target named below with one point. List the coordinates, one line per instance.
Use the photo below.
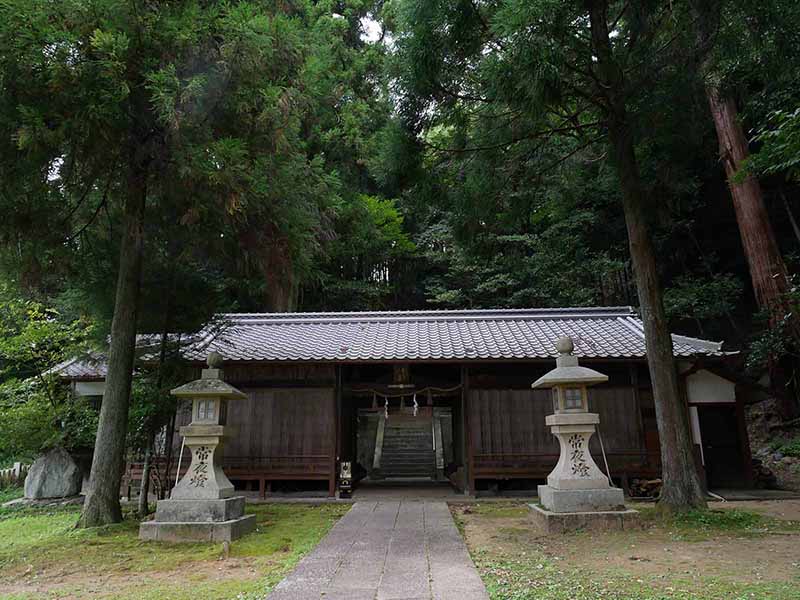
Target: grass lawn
(720, 554)
(43, 556)
(7, 494)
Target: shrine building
(443, 396)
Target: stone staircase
(408, 448)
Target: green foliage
(774, 341)
(702, 298)
(780, 145)
(28, 422)
(720, 520)
(37, 411)
(369, 246)
(34, 337)
(8, 494)
(152, 406)
(787, 448)
(252, 120)
(34, 421)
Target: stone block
(551, 522)
(224, 531)
(572, 501)
(200, 511)
(53, 475)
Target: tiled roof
(432, 335)
(469, 335)
(86, 366)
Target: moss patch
(44, 556)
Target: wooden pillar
(633, 370)
(466, 438)
(336, 442)
(744, 442)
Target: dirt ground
(772, 555)
(75, 584)
(786, 510)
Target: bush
(790, 448)
(34, 422)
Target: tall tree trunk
(682, 488)
(144, 491)
(767, 269)
(166, 479)
(144, 488)
(764, 260)
(102, 500)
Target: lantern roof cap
(210, 383)
(567, 370)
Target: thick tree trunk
(682, 488)
(102, 501)
(764, 260)
(767, 269)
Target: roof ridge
(635, 324)
(461, 314)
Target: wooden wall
(508, 436)
(279, 433)
(279, 425)
(288, 424)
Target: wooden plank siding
(283, 433)
(509, 438)
(278, 434)
(295, 422)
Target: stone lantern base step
(220, 531)
(198, 520)
(611, 520)
(200, 510)
(572, 501)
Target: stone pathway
(387, 551)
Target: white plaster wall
(90, 388)
(694, 419)
(704, 386)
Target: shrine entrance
(400, 424)
(403, 444)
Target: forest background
(392, 155)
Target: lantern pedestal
(205, 478)
(202, 507)
(577, 484)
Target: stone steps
(407, 448)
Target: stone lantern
(202, 505)
(576, 484)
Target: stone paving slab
(390, 550)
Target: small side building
(445, 395)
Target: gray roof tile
(520, 334)
(432, 335)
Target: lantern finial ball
(214, 360)
(564, 345)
